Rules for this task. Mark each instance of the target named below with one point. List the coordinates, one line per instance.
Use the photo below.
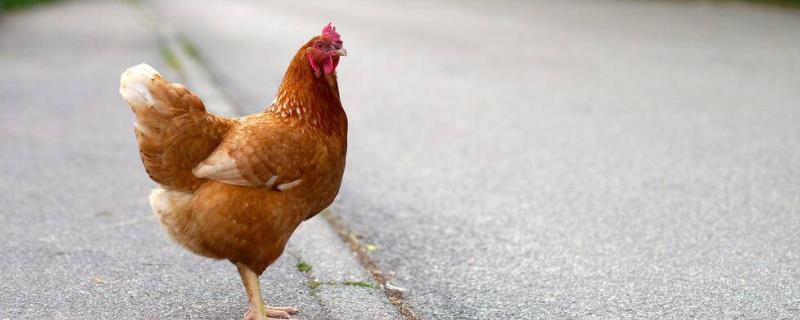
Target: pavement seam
(196, 76)
(395, 295)
(183, 58)
(310, 277)
(181, 55)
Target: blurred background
(507, 159)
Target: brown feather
(216, 198)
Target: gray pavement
(553, 159)
(521, 160)
(76, 232)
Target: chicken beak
(341, 52)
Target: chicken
(237, 189)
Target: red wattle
(328, 65)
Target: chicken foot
(258, 309)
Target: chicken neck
(309, 97)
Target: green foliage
(781, 3)
(21, 4)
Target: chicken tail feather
(172, 127)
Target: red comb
(330, 32)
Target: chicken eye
(318, 45)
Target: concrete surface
(553, 159)
(77, 235)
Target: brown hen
(236, 189)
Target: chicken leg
(258, 309)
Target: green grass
(21, 4)
(303, 267)
(190, 49)
(171, 59)
(315, 283)
(362, 284)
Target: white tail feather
(133, 86)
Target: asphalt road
(518, 160)
(554, 159)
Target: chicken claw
(280, 312)
(268, 313)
